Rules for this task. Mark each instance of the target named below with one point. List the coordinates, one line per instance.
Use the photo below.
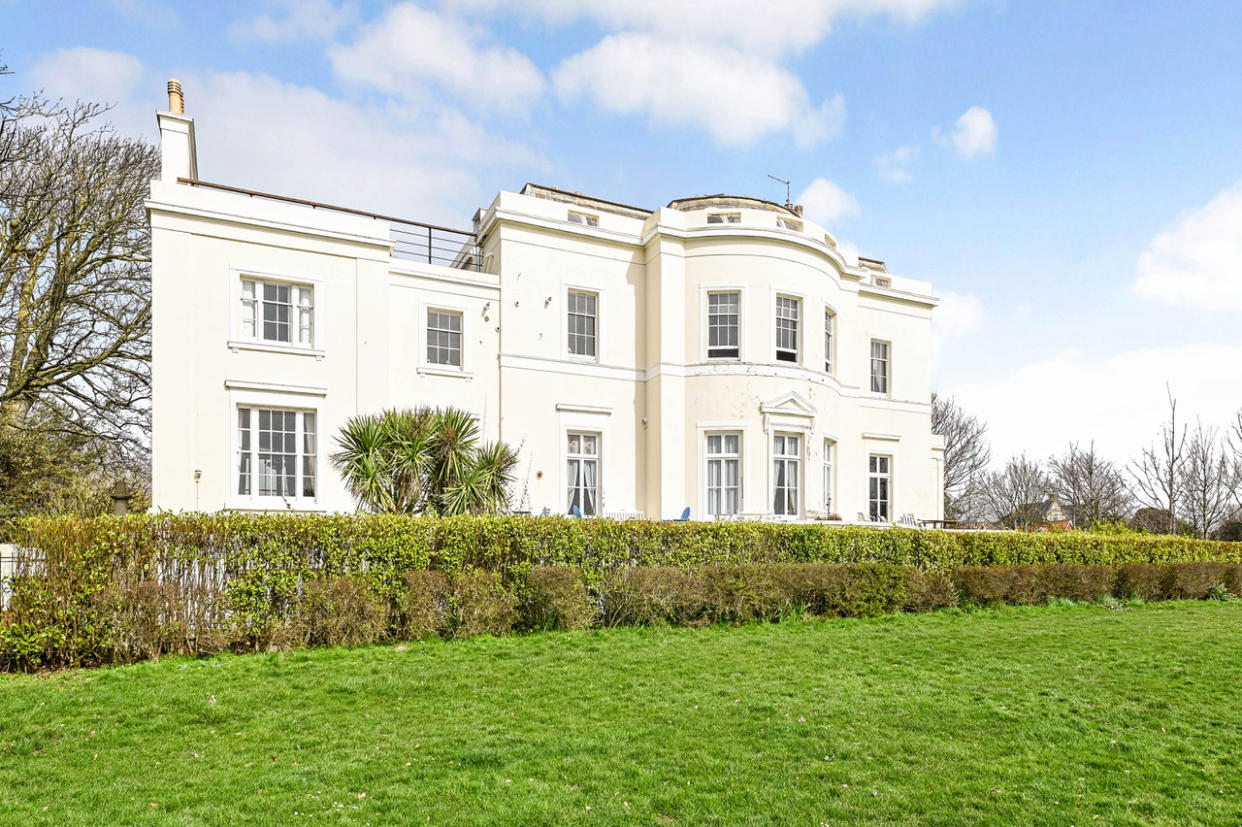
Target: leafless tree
(966, 449)
(1090, 486)
(75, 299)
(1013, 496)
(1208, 481)
(1158, 471)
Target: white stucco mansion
(718, 354)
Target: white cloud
(261, 133)
(291, 21)
(410, 48)
(957, 316)
(152, 13)
(824, 202)
(895, 166)
(973, 135)
(1198, 260)
(737, 98)
(752, 26)
(88, 74)
(1116, 400)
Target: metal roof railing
(411, 240)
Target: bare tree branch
(1090, 486)
(1013, 495)
(1158, 471)
(966, 450)
(1208, 481)
(75, 305)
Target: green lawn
(1059, 715)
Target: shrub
(557, 598)
(984, 585)
(1145, 581)
(337, 611)
(653, 597)
(423, 605)
(111, 589)
(929, 590)
(1193, 581)
(480, 605)
(1085, 583)
(743, 593)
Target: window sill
(271, 347)
(456, 373)
(586, 360)
(266, 504)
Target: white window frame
(300, 401)
(830, 340)
(566, 290)
(238, 340)
(707, 318)
(787, 458)
(873, 476)
(828, 498)
(887, 390)
(428, 368)
(598, 458)
(723, 457)
(800, 331)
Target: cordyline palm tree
(423, 461)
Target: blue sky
(1067, 174)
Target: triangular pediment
(790, 404)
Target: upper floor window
(724, 474)
(586, 218)
(880, 494)
(788, 312)
(722, 325)
(278, 312)
(444, 338)
(582, 467)
(724, 218)
(788, 224)
(276, 453)
(830, 321)
(582, 323)
(879, 366)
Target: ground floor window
(276, 453)
(786, 453)
(830, 449)
(880, 479)
(582, 456)
(724, 474)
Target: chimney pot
(176, 101)
(798, 210)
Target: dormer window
(585, 218)
(724, 218)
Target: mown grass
(1059, 715)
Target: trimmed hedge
(118, 589)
